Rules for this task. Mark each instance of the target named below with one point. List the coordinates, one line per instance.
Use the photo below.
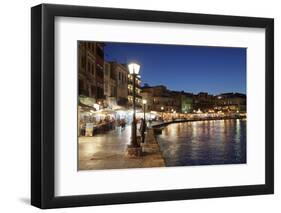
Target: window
(99, 52)
(99, 71)
(93, 91)
(113, 91)
(83, 59)
(93, 69)
(113, 74)
(89, 67)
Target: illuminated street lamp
(134, 69)
(162, 109)
(144, 102)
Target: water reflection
(204, 143)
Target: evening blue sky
(190, 68)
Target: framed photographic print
(140, 106)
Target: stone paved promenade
(108, 151)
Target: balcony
(137, 95)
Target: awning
(84, 106)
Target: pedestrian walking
(123, 124)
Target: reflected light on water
(204, 142)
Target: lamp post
(162, 109)
(134, 69)
(144, 102)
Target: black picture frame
(43, 102)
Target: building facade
(137, 91)
(186, 101)
(203, 102)
(120, 72)
(110, 85)
(159, 98)
(91, 66)
(231, 102)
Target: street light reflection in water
(204, 142)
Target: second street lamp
(162, 109)
(134, 69)
(143, 124)
(144, 105)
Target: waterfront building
(159, 98)
(186, 101)
(203, 102)
(183, 101)
(231, 102)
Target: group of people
(121, 123)
(98, 126)
(109, 123)
(142, 127)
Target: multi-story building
(203, 102)
(137, 91)
(159, 98)
(110, 90)
(106, 79)
(91, 65)
(120, 71)
(184, 101)
(91, 82)
(231, 102)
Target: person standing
(142, 129)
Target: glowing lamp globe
(134, 68)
